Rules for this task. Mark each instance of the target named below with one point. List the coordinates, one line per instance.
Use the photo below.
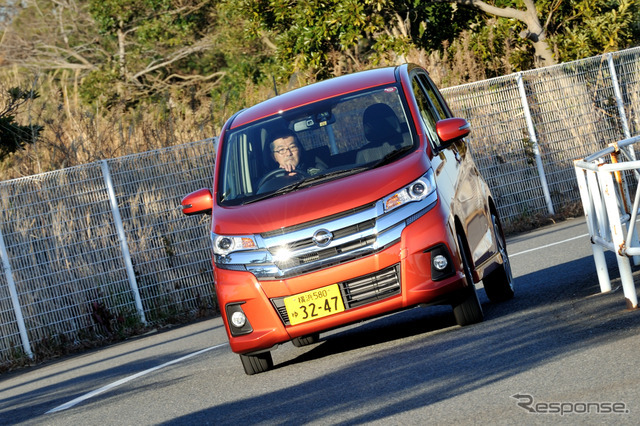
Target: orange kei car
(345, 200)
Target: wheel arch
(494, 209)
(460, 230)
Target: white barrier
(609, 211)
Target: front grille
(306, 243)
(372, 288)
(359, 291)
(326, 242)
(322, 254)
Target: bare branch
(178, 55)
(194, 78)
(267, 41)
(554, 6)
(45, 56)
(503, 12)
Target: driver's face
(286, 153)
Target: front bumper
(396, 278)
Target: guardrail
(610, 210)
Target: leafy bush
(14, 136)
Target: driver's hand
(288, 167)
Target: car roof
(316, 92)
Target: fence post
(123, 239)
(619, 101)
(534, 140)
(26, 346)
(627, 134)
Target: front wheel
(467, 310)
(499, 283)
(259, 363)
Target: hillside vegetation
(83, 80)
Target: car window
(431, 105)
(427, 112)
(435, 97)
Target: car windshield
(313, 144)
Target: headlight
(225, 244)
(415, 191)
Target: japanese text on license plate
(314, 304)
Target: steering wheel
(280, 173)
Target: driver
(287, 152)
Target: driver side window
(431, 110)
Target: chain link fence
(92, 249)
(89, 249)
(527, 128)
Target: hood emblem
(322, 237)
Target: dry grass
(528, 222)
(75, 134)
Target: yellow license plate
(314, 304)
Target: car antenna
(275, 88)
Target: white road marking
(128, 379)
(549, 245)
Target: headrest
(381, 124)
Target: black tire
(499, 283)
(299, 342)
(254, 364)
(467, 309)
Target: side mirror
(451, 130)
(198, 202)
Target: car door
(463, 188)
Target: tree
(534, 30)
(586, 28)
(122, 50)
(14, 136)
(573, 29)
(329, 37)
(155, 45)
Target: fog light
(440, 262)
(238, 319)
(441, 265)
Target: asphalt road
(559, 352)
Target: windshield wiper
(328, 176)
(280, 191)
(390, 157)
(306, 182)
